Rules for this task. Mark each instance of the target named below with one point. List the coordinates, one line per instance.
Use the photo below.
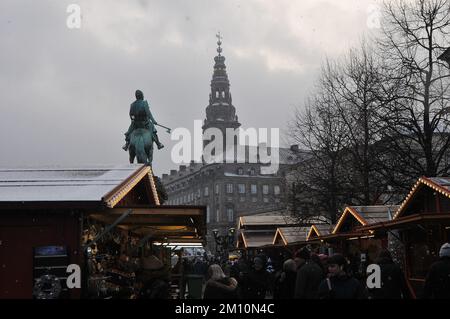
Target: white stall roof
(62, 184)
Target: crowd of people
(306, 275)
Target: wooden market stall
(314, 238)
(291, 238)
(362, 245)
(422, 223)
(256, 232)
(50, 218)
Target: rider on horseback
(141, 117)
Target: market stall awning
(290, 235)
(159, 222)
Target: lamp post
(223, 243)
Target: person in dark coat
(220, 286)
(393, 281)
(309, 276)
(339, 284)
(437, 282)
(256, 282)
(285, 281)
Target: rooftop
(92, 183)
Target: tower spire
(220, 113)
(219, 43)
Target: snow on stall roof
(62, 184)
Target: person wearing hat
(309, 275)
(437, 282)
(339, 284)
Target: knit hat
(445, 250)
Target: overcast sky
(65, 93)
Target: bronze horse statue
(141, 146)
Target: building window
(265, 189)
(241, 188)
(217, 215)
(276, 190)
(229, 188)
(240, 171)
(206, 192)
(254, 189)
(198, 193)
(217, 189)
(242, 199)
(207, 214)
(254, 199)
(230, 214)
(265, 200)
(277, 200)
(252, 172)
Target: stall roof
(438, 184)
(366, 215)
(290, 235)
(319, 230)
(254, 239)
(272, 221)
(96, 184)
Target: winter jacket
(437, 282)
(225, 288)
(393, 282)
(341, 287)
(255, 284)
(285, 285)
(309, 276)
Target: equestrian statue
(142, 132)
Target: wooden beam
(162, 210)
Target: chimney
(182, 168)
(294, 148)
(173, 172)
(164, 176)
